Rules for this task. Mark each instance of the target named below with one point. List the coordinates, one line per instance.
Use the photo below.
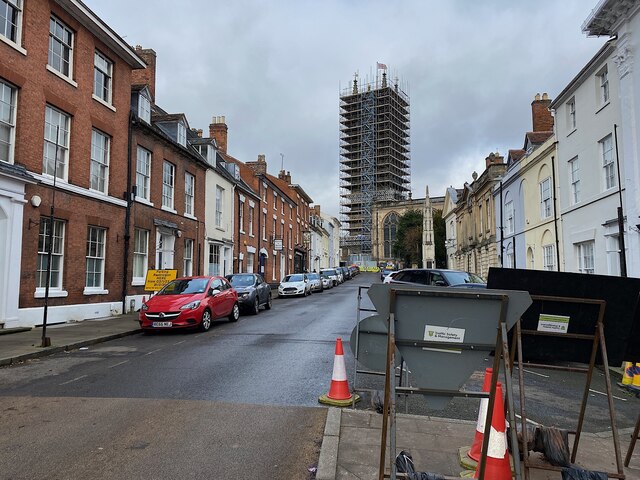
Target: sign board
(156, 279)
(553, 323)
(277, 244)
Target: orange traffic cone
(497, 466)
(476, 447)
(339, 394)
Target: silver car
(315, 281)
(332, 274)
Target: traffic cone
(497, 465)
(628, 371)
(476, 447)
(339, 394)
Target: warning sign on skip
(436, 333)
(553, 323)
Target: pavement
(351, 442)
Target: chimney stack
(541, 116)
(218, 131)
(286, 177)
(259, 167)
(494, 159)
(146, 76)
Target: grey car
(316, 282)
(438, 277)
(253, 291)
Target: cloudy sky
(275, 69)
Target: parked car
(389, 277)
(294, 284)
(330, 273)
(253, 291)
(190, 302)
(326, 281)
(355, 270)
(438, 277)
(386, 271)
(345, 273)
(316, 282)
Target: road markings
(178, 343)
(604, 394)
(153, 351)
(534, 373)
(528, 420)
(75, 379)
(117, 364)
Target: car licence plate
(161, 324)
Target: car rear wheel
(235, 313)
(256, 306)
(205, 324)
(267, 306)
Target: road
(239, 401)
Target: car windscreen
(241, 280)
(186, 286)
(455, 278)
(313, 276)
(293, 278)
(329, 272)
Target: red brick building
(65, 89)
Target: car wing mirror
(213, 292)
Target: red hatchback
(190, 302)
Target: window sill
(13, 45)
(167, 209)
(137, 282)
(144, 201)
(61, 76)
(603, 106)
(189, 216)
(95, 291)
(102, 102)
(39, 293)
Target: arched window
(390, 226)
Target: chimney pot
(218, 131)
(542, 120)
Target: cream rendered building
(451, 197)
(476, 226)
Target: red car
(190, 302)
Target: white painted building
(620, 18)
(586, 113)
(450, 221)
(332, 226)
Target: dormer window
(182, 134)
(144, 108)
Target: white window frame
(545, 198)
(608, 162)
(603, 80)
(8, 108)
(264, 226)
(574, 178)
(571, 114)
(168, 184)
(140, 256)
(509, 217)
(100, 155)
(57, 256)
(14, 23)
(189, 194)
(181, 134)
(144, 108)
(165, 248)
(55, 118)
(219, 206)
(585, 254)
(143, 173)
(612, 244)
(275, 200)
(60, 48)
(549, 257)
(102, 78)
(241, 216)
(250, 262)
(95, 260)
(187, 266)
(251, 213)
(214, 259)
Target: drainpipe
(501, 228)
(555, 210)
(623, 253)
(127, 216)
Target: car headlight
(244, 295)
(144, 307)
(191, 305)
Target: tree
(408, 244)
(439, 237)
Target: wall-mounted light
(179, 233)
(36, 201)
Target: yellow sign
(156, 279)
